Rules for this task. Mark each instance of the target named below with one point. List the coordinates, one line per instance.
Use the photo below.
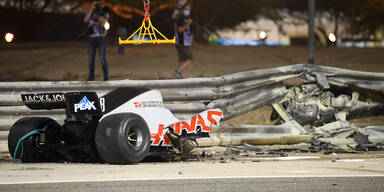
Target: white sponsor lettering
(58, 97)
(85, 104)
(44, 98)
(102, 104)
(41, 98)
(36, 98)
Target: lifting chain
(146, 9)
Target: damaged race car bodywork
(325, 112)
(123, 126)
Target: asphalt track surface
(238, 184)
(296, 172)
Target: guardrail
(235, 94)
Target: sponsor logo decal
(201, 122)
(85, 104)
(43, 98)
(137, 104)
(148, 104)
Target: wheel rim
(135, 137)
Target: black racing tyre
(28, 150)
(122, 138)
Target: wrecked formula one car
(123, 126)
(325, 112)
(310, 104)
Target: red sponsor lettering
(157, 136)
(201, 122)
(211, 113)
(176, 127)
(166, 140)
(189, 127)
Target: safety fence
(235, 94)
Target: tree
(364, 17)
(361, 16)
(367, 18)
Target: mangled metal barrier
(227, 135)
(344, 77)
(235, 94)
(325, 103)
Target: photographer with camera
(184, 37)
(97, 20)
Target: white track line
(187, 178)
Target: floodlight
(107, 26)
(332, 37)
(9, 37)
(262, 35)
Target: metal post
(311, 31)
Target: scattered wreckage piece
(308, 104)
(327, 100)
(227, 135)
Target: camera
(101, 10)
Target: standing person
(97, 20)
(184, 39)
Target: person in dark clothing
(184, 38)
(97, 26)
